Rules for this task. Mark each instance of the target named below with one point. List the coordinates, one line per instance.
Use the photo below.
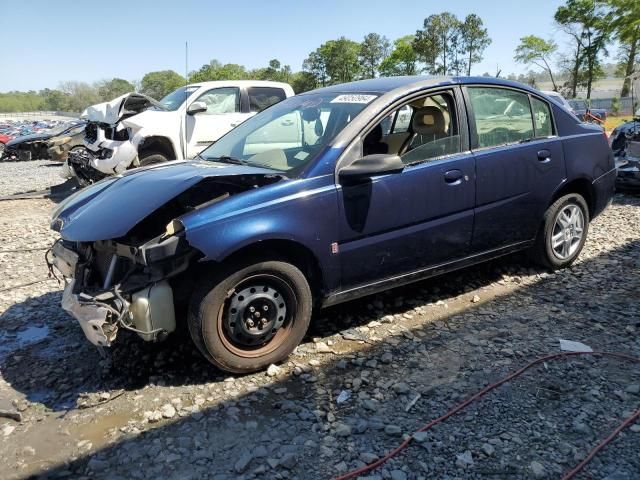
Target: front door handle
(453, 177)
(544, 156)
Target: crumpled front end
(112, 285)
(125, 253)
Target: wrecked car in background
(625, 143)
(61, 146)
(312, 203)
(135, 130)
(36, 146)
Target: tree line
(591, 28)
(444, 45)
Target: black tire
(152, 158)
(213, 327)
(543, 251)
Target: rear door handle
(453, 177)
(544, 156)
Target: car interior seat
(373, 142)
(427, 125)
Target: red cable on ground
(484, 391)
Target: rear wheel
(251, 315)
(564, 232)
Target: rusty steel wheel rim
(257, 315)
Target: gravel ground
(18, 177)
(369, 372)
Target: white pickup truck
(135, 130)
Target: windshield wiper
(229, 159)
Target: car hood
(110, 208)
(29, 138)
(121, 107)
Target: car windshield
(290, 134)
(176, 98)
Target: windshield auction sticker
(351, 98)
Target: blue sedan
(324, 197)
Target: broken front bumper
(92, 318)
(148, 311)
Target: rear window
(263, 97)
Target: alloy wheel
(568, 231)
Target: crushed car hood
(112, 207)
(121, 107)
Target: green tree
(373, 49)
(335, 61)
(54, 100)
(303, 82)
(402, 60)
(475, 39)
(158, 84)
(315, 66)
(537, 51)
(110, 89)
(626, 27)
(214, 70)
(80, 95)
(589, 23)
(438, 43)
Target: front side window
(221, 100)
(263, 97)
(424, 130)
(176, 98)
(291, 133)
(502, 116)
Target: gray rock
(289, 460)
(537, 469)
(168, 411)
(488, 449)
(368, 457)
(464, 460)
(342, 430)
(420, 437)
(392, 430)
(243, 462)
(398, 475)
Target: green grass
(613, 122)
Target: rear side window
(502, 116)
(542, 118)
(263, 97)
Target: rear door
(519, 164)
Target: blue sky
(45, 42)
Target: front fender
(303, 211)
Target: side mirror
(196, 107)
(371, 165)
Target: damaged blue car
(324, 197)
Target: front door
(519, 164)
(401, 223)
(223, 114)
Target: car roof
(240, 83)
(387, 84)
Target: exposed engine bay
(127, 282)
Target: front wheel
(564, 232)
(250, 316)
